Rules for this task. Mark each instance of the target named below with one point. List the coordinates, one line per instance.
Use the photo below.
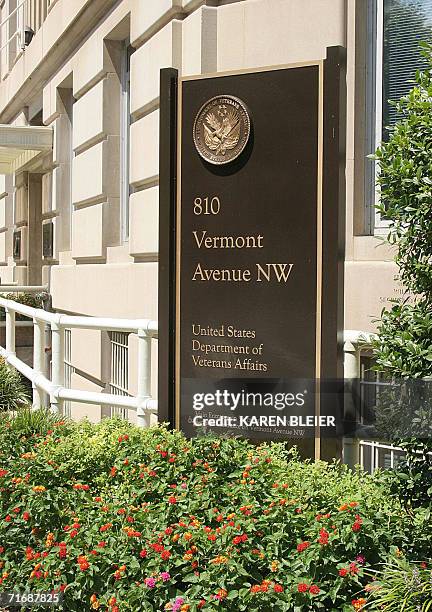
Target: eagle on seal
(223, 135)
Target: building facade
(79, 211)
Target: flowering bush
(124, 519)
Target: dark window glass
(406, 24)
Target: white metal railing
(354, 343)
(145, 329)
(377, 449)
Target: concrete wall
(96, 271)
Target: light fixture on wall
(28, 35)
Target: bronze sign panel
(256, 311)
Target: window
(119, 378)
(405, 24)
(124, 140)
(395, 29)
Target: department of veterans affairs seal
(221, 129)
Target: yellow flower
(38, 488)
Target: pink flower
(177, 604)
(360, 559)
(165, 576)
(150, 583)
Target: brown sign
(253, 249)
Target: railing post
(144, 377)
(22, 13)
(38, 359)
(57, 359)
(351, 455)
(10, 331)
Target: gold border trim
(318, 330)
(213, 75)
(178, 256)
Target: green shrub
(13, 392)
(158, 522)
(402, 587)
(404, 345)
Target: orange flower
(219, 559)
(49, 540)
(83, 563)
(358, 604)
